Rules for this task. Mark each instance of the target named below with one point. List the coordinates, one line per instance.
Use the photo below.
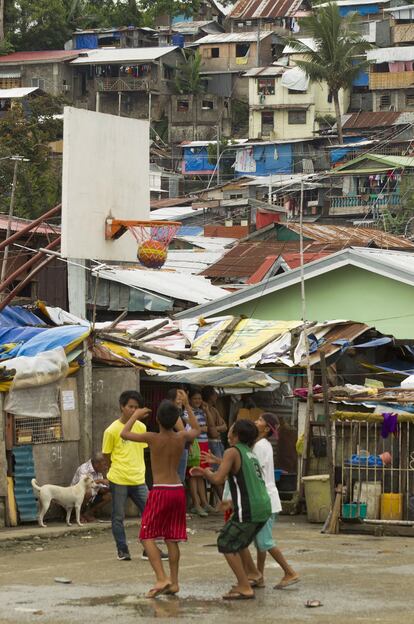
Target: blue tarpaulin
(361, 9)
(86, 41)
(17, 316)
(51, 339)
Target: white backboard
(105, 174)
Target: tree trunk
(335, 95)
(1, 20)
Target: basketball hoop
(153, 238)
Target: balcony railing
(362, 204)
(388, 80)
(403, 33)
(124, 84)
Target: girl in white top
(267, 425)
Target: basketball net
(153, 239)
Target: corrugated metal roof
(351, 236)
(123, 55)
(243, 37)
(166, 282)
(256, 72)
(42, 56)
(172, 201)
(243, 260)
(356, 3)
(264, 9)
(192, 261)
(371, 120)
(389, 55)
(174, 213)
(17, 92)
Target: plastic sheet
(295, 79)
(43, 369)
(41, 402)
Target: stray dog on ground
(67, 497)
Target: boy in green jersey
(251, 502)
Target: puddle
(165, 606)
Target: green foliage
(27, 134)
(106, 13)
(188, 79)
(397, 222)
(6, 47)
(38, 24)
(339, 48)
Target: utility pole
(258, 44)
(16, 159)
(218, 154)
(309, 402)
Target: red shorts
(164, 514)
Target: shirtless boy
(165, 512)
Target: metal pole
(119, 103)
(27, 228)
(258, 44)
(149, 110)
(302, 273)
(218, 154)
(269, 199)
(9, 221)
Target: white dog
(67, 497)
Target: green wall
(348, 293)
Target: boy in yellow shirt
(126, 472)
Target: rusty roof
(264, 9)
(243, 260)
(371, 120)
(18, 224)
(345, 236)
(41, 56)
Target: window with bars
(297, 117)
(409, 99)
(384, 101)
(268, 122)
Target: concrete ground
(357, 578)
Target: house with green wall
(373, 286)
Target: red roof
(372, 120)
(264, 9)
(18, 224)
(42, 56)
(293, 259)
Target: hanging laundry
(390, 424)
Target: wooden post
(3, 466)
(328, 426)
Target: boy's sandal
(285, 584)
(258, 583)
(157, 591)
(313, 603)
(236, 595)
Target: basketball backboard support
(105, 175)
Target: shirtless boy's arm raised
(140, 414)
(195, 430)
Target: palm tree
(336, 56)
(188, 78)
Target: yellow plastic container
(318, 497)
(391, 506)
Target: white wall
(105, 173)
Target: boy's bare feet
(287, 581)
(239, 593)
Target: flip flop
(313, 603)
(154, 592)
(258, 583)
(236, 595)
(284, 584)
